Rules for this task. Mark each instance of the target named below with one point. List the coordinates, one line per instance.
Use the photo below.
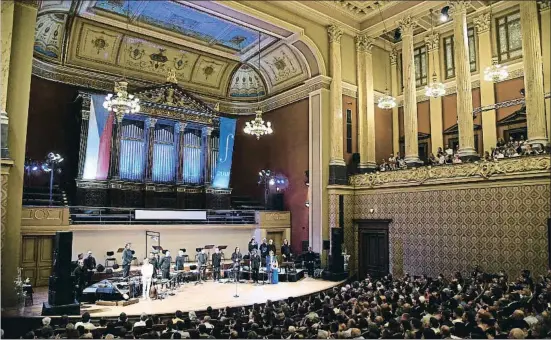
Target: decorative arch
(246, 84)
(312, 55)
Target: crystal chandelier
(496, 72)
(435, 89)
(387, 102)
(122, 102)
(257, 127)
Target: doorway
(277, 236)
(37, 259)
(373, 248)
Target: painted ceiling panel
(246, 84)
(48, 36)
(181, 19)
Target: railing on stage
(110, 215)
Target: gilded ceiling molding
(482, 23)
(544, 5)
(349, 90)
(534, 166)
(29, 3)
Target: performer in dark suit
(180, 260)
(252, 245)
(309, 259)
(89, 266)
(255, 265)
(165, 265)
(127, 258)
(154, 261)
(271, 247)
(236, 258)
(79, 279)
(216, 263)
(202, 260)
(263, 249)
(286, 251)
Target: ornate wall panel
(443, 230)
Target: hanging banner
(225, 153)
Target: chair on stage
(110, 261)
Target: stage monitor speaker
(60, 290)
(72, 309)
(326, 244)
(63, 249)
(305, 246)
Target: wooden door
(37, 259)
(373, 248)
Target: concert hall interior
(143, 142)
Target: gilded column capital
(28, 3)
(180, 126)
(85, 114)
(5, 4)
(363, 43)
(119, 116)
(482, 23)
(407, 25)
(335, 34)
(393, 56)
(433, 41)
(151, 122)
(207, 130)
(544, 5)
(459, 7)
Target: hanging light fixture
(257, 126)
(122, 103)
(386, 102)
(435, 89)
(495, 72)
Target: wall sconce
(307, 204)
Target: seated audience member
(85, 322)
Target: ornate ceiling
(211, 53)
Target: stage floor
(194, 297)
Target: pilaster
(6, 31)
(487, 90)
(410, 92)
(436, 131)
(533, 73)
(337, 167)
(114, 162)
(463, 80)
(394, 91)
(207, 132)
(545, 24)
(150, 124)
(17, 104)
(181, 126)
(84, 122)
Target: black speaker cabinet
(60, 290)
(336, 241)
(304, 246)
(63, 248)
(326, 244)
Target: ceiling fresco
(246, 83)
(48, 35)
(181, 19)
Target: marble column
(487, 90)
(394, 92)
(533, 73)
(366, 104)
(114, 161)
(6, 31)
(411, 157)
(465, 122)
(17, 105)
(85, 120)
(180, 163)
(337, 167)
(436, 130)
(150, 124)
(545, 17)
(207, 132)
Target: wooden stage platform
(191, 297)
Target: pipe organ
(165, 156)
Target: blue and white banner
(225, 153)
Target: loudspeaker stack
(61, 283)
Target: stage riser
(174, 199)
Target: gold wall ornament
(482, 170)
(482, 23)
(171, 77)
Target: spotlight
(271, 182)
(34, 168)
(397, 35)
(307, 204)
(444, 15)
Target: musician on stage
(165, 265)
(252, 245)
(127, 258)
(147, 275)
(180, 260)
(309, 259)
(271, 265)
(79, 279)
(216, 263)
(263, 249)
(154, 261)
(202, 260)
(236, 258)
(89, 266)
(286, 251)
(271, 247)
(255, 265)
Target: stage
(191, 297)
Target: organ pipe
(132, 150)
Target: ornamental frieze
(482, 170)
